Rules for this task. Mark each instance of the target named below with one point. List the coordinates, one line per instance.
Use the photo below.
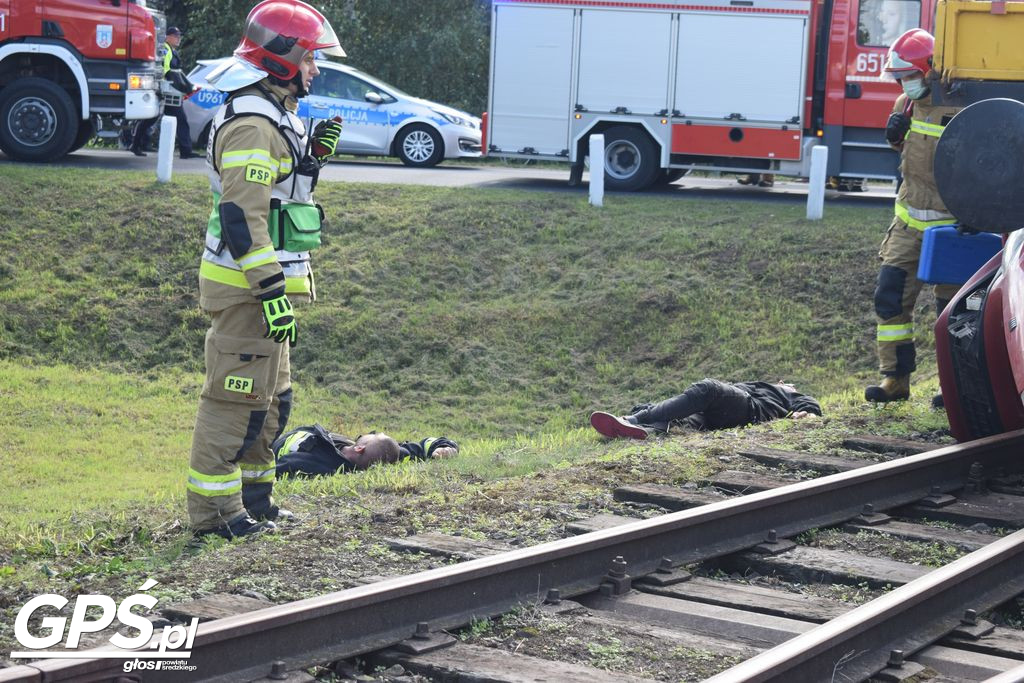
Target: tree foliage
(437, 49)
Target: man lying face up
(314, 451)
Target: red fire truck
(721, 85)
(68, 67)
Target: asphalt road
(455, 174)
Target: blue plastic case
(951, 258)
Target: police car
(380, 119)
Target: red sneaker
(611, 426)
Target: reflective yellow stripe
(214, 484)
(286, 164)
(931, 129)
(903, 213)
(245, 157)
(258, 476)
(222, 274)
(292, 443)
(257, 258)
(297, 285)
(234, 278)
(893, 333)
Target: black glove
(965, 229)
(179, 81)
(896, 128)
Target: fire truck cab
(66, 66)
(724, 85)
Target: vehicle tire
(630, 159)
(419, 145)
(667, 176)
(38, 120)
(85, 132)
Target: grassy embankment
(500, 318)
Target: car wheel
(85, 132)
(630, 159)
(38, 120)
(419, 145)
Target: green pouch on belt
(295, 227)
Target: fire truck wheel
(419, 145)
(38, 120)
(630, 159)
(85, 133)
(667, 176)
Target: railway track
(600, 569)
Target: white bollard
(597, 170)
(816, 183)
(165, 153)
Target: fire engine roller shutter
(740, 78)
(629, 71)
(530, 99)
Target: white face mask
(915, 88)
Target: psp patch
(258, 174)
(241, 385)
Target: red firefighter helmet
(910, 53)
(277, 35)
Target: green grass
(499, 318)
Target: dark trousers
(143, 131)
(183, 134)
(141, 134)
(720, 405)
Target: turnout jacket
(313, 451)
(256, 155)
(918, 203)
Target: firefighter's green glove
(324, 140)
(280, 320)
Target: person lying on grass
(314, 451)
(710, 404)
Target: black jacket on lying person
(313, 451)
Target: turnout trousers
(895, 296)
(243, 408)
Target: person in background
(759, 179)
(710, 404)
(175, 76)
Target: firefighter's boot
(892, 388)
(240, 526)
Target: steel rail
(366, 618)
(1014, 675)
(856, 645)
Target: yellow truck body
(974, 42)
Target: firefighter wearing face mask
(913, 129)
(262, 168)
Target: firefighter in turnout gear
(913, 129)
(256, 264)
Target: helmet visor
(327, 42)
